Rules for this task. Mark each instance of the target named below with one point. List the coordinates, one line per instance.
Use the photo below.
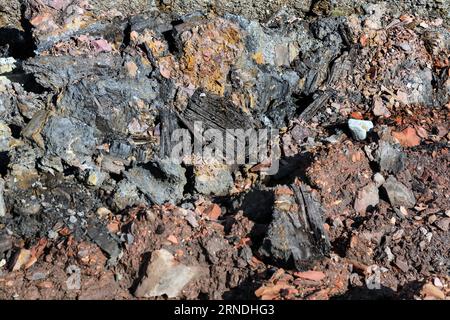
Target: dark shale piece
(168, 125)
(104, 240)
(295, 237)
(215, 112)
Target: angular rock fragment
(367, 197)
(429, 290)
(389, 157)
(104, 240)
(70, 139)
(443, 224)
(360, 128)
(214, 246)
(95, 177)
(213, 180)
(398, 193)
(165, 276)
(21, 259)
(7, 64)
(161, 181)
(378, 179)
(295, 236)
(126, 195)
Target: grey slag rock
(389, 157)
(161, 181)
(166, 276)
(359, 128)
(104, 240)
(70, 139)
(367, 197)
(125, 195)
(398, 193)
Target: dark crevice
(169, 37)
(126, 36)
(27, 80)
(18, 43)
(303, 101)
(15, 130)
(4, 162)
(189, 187)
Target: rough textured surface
(92, 91)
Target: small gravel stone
(359, 128)
(443, 224)
(398, 193)
(378, 179)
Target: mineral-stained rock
(161, 181)
(23, 168)
(22, 257)
(296, 235)
(95, 177)
(209, 47)
(55, 21)
(398, 193)
(165, 276)
(34, 128)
